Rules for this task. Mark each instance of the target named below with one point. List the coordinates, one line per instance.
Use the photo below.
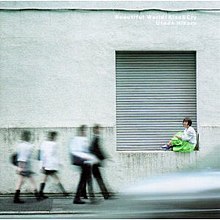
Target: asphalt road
(173, 207)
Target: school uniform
(24, 152)
(79, 148)
(96, 150)
(49, 157)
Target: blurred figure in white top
(50, 163)
(79, 149)
(24, 152)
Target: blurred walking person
(49, 157)
(79, 149)
(96, 150)
(24, 152)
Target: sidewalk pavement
(55, 204)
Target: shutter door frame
(155, 90)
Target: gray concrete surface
(207, 206)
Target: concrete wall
(123, 167)
(57, 71)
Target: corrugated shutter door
(154, 92)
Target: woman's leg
(45, 178)
(20, 182)
(58, 182)
(42, 186)
(17, 192)
(56, 177)
(34, 186)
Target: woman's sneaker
(166, 147)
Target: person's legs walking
(97, 175)
(34, 186)
(17, 192)
(42, 186)
(89, 182)
(84, 193)
(81, 185)
(60, 185)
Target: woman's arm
(188, 135)
(179, 137)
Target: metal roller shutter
(154, 92)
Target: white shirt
(24, 151)
(49, 155)
(79, 146)
(189, 135)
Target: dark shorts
(49, 172)
(26, 173)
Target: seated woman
(183, 141)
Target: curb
(42, 212)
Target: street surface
(207, 206)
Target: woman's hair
(52, 135)
(81, 129)
(188, 120)
(26, 136)
(96, 128)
